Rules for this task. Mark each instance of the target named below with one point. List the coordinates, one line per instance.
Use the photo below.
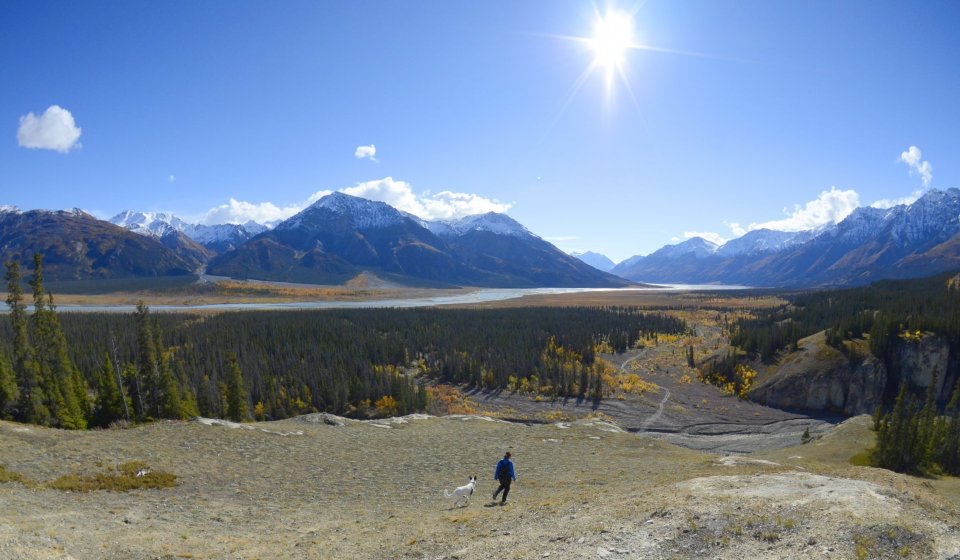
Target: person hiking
(505, 475)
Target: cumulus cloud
(54, 130)
(828, 208)
(368, 152)
(885, 203)
(443, 205)
(710, 236)
(914, 158)
(238, 212)
(736, 228)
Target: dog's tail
(447, 494)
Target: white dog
(463, 492)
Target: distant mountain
(340, 236)
(905, 241)
(218, 238)
(596, 260)
(77, 246)
(499, 244)
(761, 241)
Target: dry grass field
(306, 488)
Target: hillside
(310, 487)
(77, 246)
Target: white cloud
(55, 130)
(914, 158)
(444, 205)
(172, 178)
(238, 212)
(736, 228)
(828, 208)
(885, 203)
(368, 152)
(710, 236)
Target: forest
(75, 370)
(918, 436)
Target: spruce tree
(236, 393)
(64, 388)
(148, 372)
(31, 405)
(8, 388)
(110, 406)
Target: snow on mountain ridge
(492, 222)
(362, 213)
(158, 224)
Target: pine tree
(236, 393)
(31, 405)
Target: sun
(612, 36)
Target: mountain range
(907, 240)
(332, 241)
(341, 236)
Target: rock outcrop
(820, 377)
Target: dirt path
(656, 416)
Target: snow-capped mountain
(218, 238)
(596, 260)
(348, 211)
(340, 236)
(77, 246)
(499, 224)
(869, 244)
(762, 241)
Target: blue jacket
(502, 466)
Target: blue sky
(772, 111)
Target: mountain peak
(359, 213)
(697, 246)
(492, 222)
(596, 260)
(9, 209)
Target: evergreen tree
(8, 388)
(63, 386)
(110, 406)
(170, 404)
(236, 393)
(148, 372)
(31, 406)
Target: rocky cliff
(821, 378)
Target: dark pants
(505, 487)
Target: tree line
(914, 435)
(74, 370)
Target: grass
(861, 459)
(123, 479)
(7, 475)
